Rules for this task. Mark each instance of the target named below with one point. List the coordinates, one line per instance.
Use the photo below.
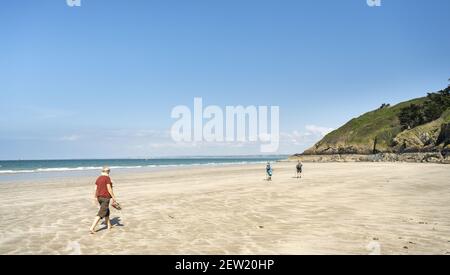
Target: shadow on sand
(114, 222)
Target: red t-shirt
(102, 189)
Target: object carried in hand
(116, 205)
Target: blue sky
(100, 80)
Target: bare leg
(108, 223)
(94, 224)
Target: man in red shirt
(103, 193)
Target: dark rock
(444, 135)
(431, 157)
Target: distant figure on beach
(103, 193)
(269, 171)
(299, 169)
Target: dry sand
(337, 208)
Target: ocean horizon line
(151, 158)
(80, 165)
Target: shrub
(415, 115)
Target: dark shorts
(299, 170)
(104, 207)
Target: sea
(12, 170)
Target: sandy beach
(336, 208)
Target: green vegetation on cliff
(414, 125)
(432, 109)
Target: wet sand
(336, 208)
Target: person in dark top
(269, 171)
(299, 169)
(103, 193)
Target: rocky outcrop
(444, 135)
(339, 149)
(429, 157)
(378, 132)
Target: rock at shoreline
(381, 157)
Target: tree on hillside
(384, 105)
(411, 116)
(435, 104)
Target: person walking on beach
(103, 193)
(299, 169)
(269, 171)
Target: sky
(100, 80)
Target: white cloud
(46, 113)
(152, 133)
(312, 135)
(314, 129)
(153, 142)
(70, 138)
(145, 142)
(290, 143)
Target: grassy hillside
(418, 125)
(423, 137)
(360, 134)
